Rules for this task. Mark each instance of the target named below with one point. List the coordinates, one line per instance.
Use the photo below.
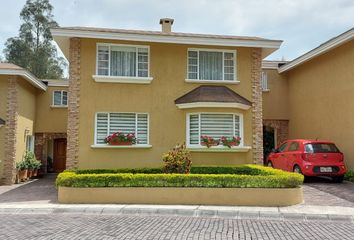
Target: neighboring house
(312, 96)
(165, 87)
(25, 113)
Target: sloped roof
(2, 121)
(323, 48)
(62, 35)
(12, 69)
(212, 94)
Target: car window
(294, 146)
(321, 148)
(282, 148)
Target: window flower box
(120, 139)
(208, 141)
(230, 142)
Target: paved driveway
(37, 191)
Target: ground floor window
(215, 125)
(30, 143)
(133, 123)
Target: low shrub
(234, 178)
(177, 160)
(349, 176)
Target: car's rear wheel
(269, 164)
(338, 179)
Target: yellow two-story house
(166, 88)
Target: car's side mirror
(275, 150)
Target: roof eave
(26, 75)
(325, 47)
(62, 36)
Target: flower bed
(248, 185)
(245, 176)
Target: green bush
(240, 176)
(349, 176)
(30, 161)
(177, 160)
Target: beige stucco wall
(275, 101)
(25, 115)
(321, 99)
(167, 123)
(49, 119)
(3, 94)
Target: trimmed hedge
(245, 176)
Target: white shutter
(143, 62)
(192, 65)
(101, 127)
(217, 125)
(142, 129)
(237, 126)
(122, 122)
(109, 123)
(229, 66)
(194, 135)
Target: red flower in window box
(119, 138)
(230, 142)
(208, 141)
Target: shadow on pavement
(38, 191)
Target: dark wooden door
(59, 155)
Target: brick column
(9, 171)
(40, 140)
(73, 105)
(257, 127)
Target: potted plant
(119, 138)
(31, 162)
(21, 170)
(37, 165)
(230, 142)
(208, 141)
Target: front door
(59, 155)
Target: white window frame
(122, 79)
(234, 52)
(136, 130)
(264, 82)
(61, 98)
(30, 143)
(240, 115)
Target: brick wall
(73, 105)
(257, 126)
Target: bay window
(215, 125)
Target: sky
(301, 24)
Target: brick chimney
(166, 24)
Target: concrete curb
(298, 213)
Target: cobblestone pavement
(67, 226)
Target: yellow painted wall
(167, 123)
(25, 115)
(320, 98)
(49, 119)
(3, 95)
(275, 102)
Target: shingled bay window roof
(212, 96)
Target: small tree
(177, 160)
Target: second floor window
(122, 60)
(60, 98)
(211, 65)
(264, 81)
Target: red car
(310, 158)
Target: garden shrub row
(245, 176)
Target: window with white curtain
(109, 123)
(215, 125)
(122, 60)
(60, 98)
(211, 65)
(30, 143)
